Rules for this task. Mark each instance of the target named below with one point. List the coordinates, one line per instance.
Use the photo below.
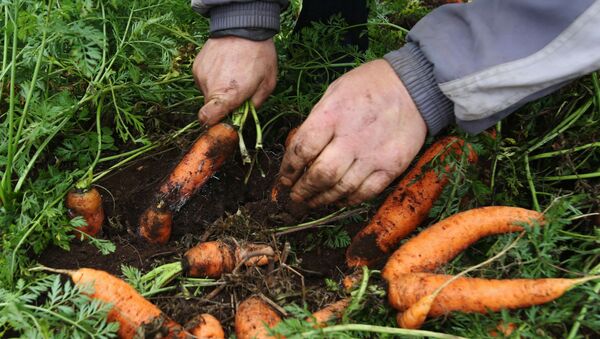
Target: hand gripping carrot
(441, 242)
(86, 203)
(205, 326)
(407, 206)
(253, 318)
(214, 258)
(201, 162)
(474, 294)
(136, 315)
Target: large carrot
(475, 294)
(203, 159)
(214, 258)
(87, 204)
(441, 242)
(407, 206)
(253, 318)
(205, 326)
(137, 317)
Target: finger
(306, 145)
(328, 169)
(349, 183)
(262, 93)
(218, 107)
(372, 186)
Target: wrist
(416, 73)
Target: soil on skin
(224, 207)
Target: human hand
(230, 70)
(361, 135)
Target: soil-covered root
(253, 318)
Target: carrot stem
(536, 204)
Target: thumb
(217, 108)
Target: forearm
(254, 20)
(476, 63)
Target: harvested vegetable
(203, 159)
(416, 314)
(214, 258)
(277, 187)
(205, 326)
(407, 206)
(253, 318)
(86, 203)
(330, 312)
(474, 294)
(137, 317)
(442, 241)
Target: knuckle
(345, 187)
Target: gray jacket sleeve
(476, 63)
(255, 20)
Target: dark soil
(225, 207)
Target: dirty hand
(230, 70)
(361, 135)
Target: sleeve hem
(257, 20)
(416, 72)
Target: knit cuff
(416, 72)
(255, 20)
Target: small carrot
(475, 294)
(205, 326)
(329, 313)
(214, 258)
(503, 329)
(407, 206)
(203, 159)
(277, 187)
(441, 242)
(416, 314)
(156, 224)
(253, 318)
(352, 280)
(86, 203)
(137, 317)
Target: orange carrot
(503, 329)
(277, 187)
(474, 294)
(416, 314)
(87, 204)
(407, 206)
(441, 242)
(253, 318)
(330, 312)
(352, 280)
(214, 258)
(205, 326)
(156, 224)
(203, 159)
(137, 317)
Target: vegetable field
(111, 224)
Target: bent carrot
(205, 326)
(214, 258)
(203, 159)
(277, 187)
(441, 242)
(407, 206)
(87, 204)
(136, 315)
(475, 295)
(329, 313)
(253, 318)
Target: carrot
(87, 204)
(253, 318)
(406, 207)
(503, 329)
(214, 258)
(203, 159)
(277, 187)
(475, 295)
(205, 326)
(329, 313)
(156, 224)
(137, 317)
(416, 314)
(441, 242)
(352, 280)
